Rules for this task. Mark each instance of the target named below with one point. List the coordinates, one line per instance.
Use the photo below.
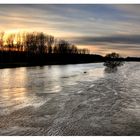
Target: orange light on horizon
(92, 48)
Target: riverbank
(24, 59)
(17, 65)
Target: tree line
(38, 43)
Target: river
(80, 99)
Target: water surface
(81, 99)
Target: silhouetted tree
(10, 41)
(63, 47)
(55, 48)
(112, 56)
(31, 42)
(19, 42)
(84, 51)
(74, 49)
(112, 61)
(1, 40)
(49, 42)
(41, 43)
(38, 42)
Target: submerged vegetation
(112, 62)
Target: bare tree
(50, 43)
(38, 42)
(2, 40)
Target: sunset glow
(100, 28)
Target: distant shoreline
(17, 65)
(15, 59)
(24, 59)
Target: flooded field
(81, 99)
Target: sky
(102, 28)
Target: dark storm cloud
(116, 39)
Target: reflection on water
(21, 87)
(111, 70)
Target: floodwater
(80, 99)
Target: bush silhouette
(112, 61)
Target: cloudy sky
(101, 28)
